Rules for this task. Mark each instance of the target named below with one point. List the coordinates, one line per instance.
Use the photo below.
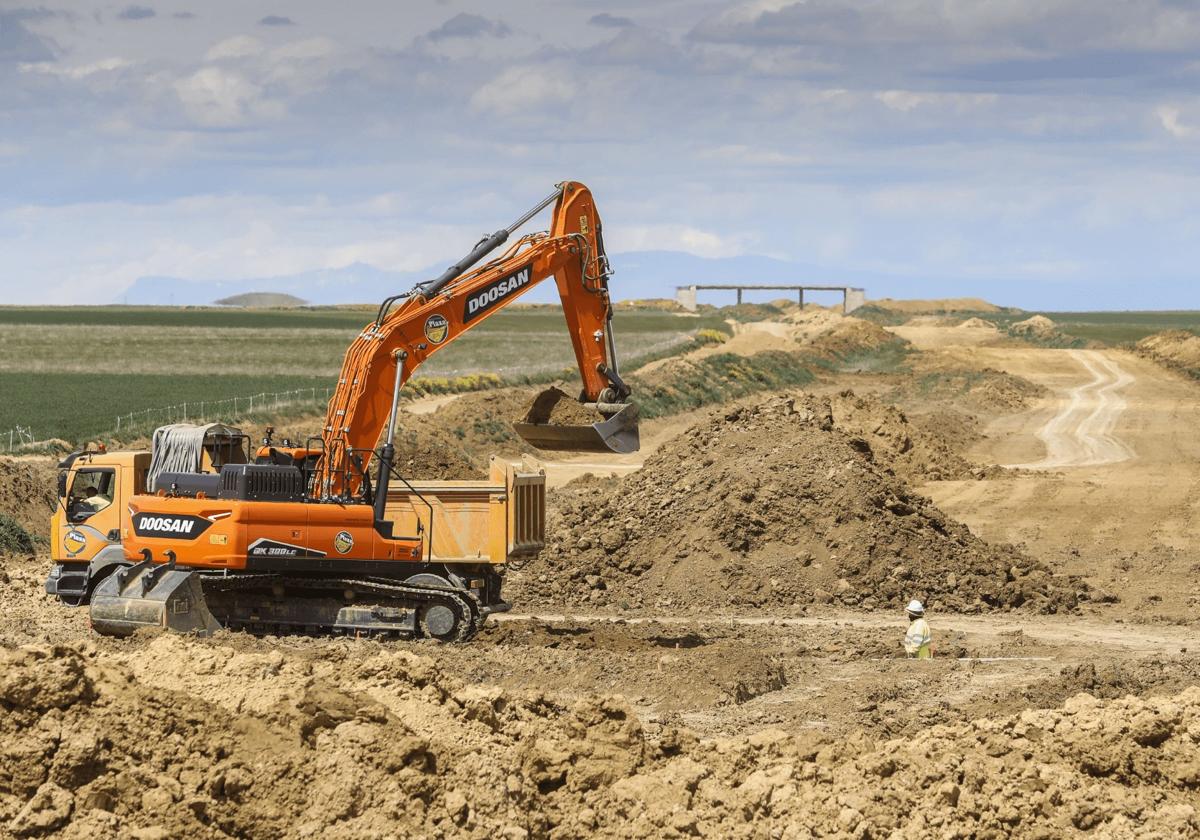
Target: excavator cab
(554, 421)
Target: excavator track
(410, 610)
(156, 596)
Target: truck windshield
(91, 492)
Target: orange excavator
(327, 536)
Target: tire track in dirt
(1081, 433)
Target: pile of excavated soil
(985, 389)
(977, 324)
(1178, 349)
(771, 505)
(28, 494)
(1039, 327)
(914, 453)
(852, 337)
(918, 307)
(831, 334)
(185, 738)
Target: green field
(1121, 327)
(1113, 328)
(68, 372)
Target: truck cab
(91, 519)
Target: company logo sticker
(172, 527)
(436, 328)
(493, 293)
(74, 541)
(343, 542)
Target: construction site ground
(593, 710)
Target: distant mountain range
(638, 274)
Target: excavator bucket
(555, 421)
(151, 595)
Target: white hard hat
(915, 606)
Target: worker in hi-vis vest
(918, 641)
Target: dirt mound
(831, 334)
(27, 493)
(976, 324)
(771, 505)
(851, 338)
(1178, 349)
(183, 739)
(456, 440)
(1039, 326)
(187, 738)
(983, 389)
(931, 321)
(914, 453)
(918, 307)
(1112, 680)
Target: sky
(1034, 151)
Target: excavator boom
(409, 330)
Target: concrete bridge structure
(852, 296)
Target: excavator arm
(410, 329)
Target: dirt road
(1081, 433)
(1119, 500)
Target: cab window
(91, 492)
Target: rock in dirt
(772, 505)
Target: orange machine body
(571, 251)
(265, 536)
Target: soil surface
(710, 645)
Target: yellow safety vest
(918, 641)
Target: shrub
(14, 539)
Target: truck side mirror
(62, 483)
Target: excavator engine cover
(615, 429)
(151, 594)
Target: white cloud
(524, 88)
(220, 98)
(741, 154)
(1173, 121)
(908, 100)
(239, 46)
(78, 72)
(671, 237)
